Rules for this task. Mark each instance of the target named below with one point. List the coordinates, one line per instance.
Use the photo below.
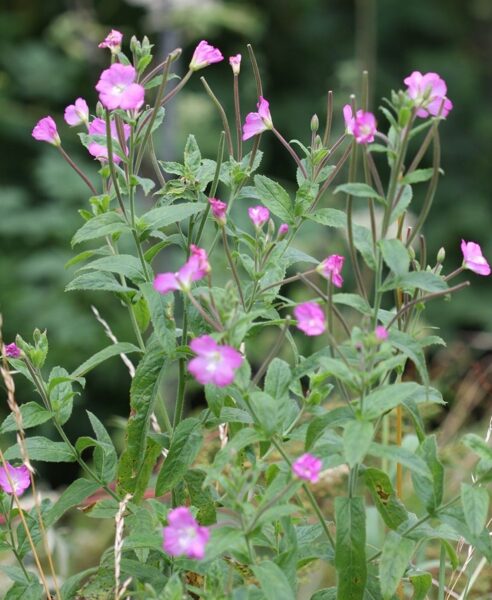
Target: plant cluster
(223, 504)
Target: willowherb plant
(243, 516)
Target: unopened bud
(135, 45)
(411, 252)
(283, 230)
(441, 255)
(175, 54)
(314, 123)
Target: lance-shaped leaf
(385, 499)
(429, 488)
(350, 553)
(395, 558)
(143, 393)
(475, 502)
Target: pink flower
(12, 350)
(117, 88)
(258, 122)
(112, 41)
(362, 126)
(310, 318)
(259, 215)
(46, 131)
(19, 477)
(219, 209)
(473, 258)
(99, 149)
(235, 62)
(381, 333)
(429, 93)
(204, 55)
(307, 467)
(77, 113)
(196, 267)
(214, 363)
(283, 230)
(331, 268)
(183, 535)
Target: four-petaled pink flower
(77, 113)
(235, 62)
(12, 350)
(99, 149)
(473, 258)
(259, 215)
(219, 209)
(429, 93)
(258, 122)
(362, 126)
(183, 535)
(19, 477)
(331, 268)
(46, 131)
(214, 363)
(112, 41)
(205, 55)
(310, 318)
(307, 467)
(117, 88)
(196, 267)
(381, 333)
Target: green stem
(77, 170)
(237, 114)
(291, 151)
(222, 114)
(112, 170)
(233, 266)
(442, 573)
(178, 412)
(329, 118)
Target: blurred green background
(49, 56)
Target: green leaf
(475, 502)
(192, 155)
(331, 217)
(478, 445)
(396, 555)
(278, 378)
(357, 438)
(418, 176)
(103, 355)
(122, 264)
(143, 393)
(71, 586)
(200, 496)
(363, 243)
(32, 413)
(360, 190)
(455, 518)
(26, 591)
(326, 594)
(167, 215)
(429, 488)
(412, 348)
(61, 394)
(389, 506)
(267, 411)
(42, 449)
(354, 301)
(186, 443)
(152, 452)
(422, 280)
(161, 315)
(395, 255)
(422, 583)
(350, 553)
(403, 456)
(74, 494)
(274, 584)
(390, 396)
(275, 198)
(336, 417)
(404, 201)
(105, 457)
(100, 226)
(97, 281)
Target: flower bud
(441, 255)
(314, 123)
(283, 230)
